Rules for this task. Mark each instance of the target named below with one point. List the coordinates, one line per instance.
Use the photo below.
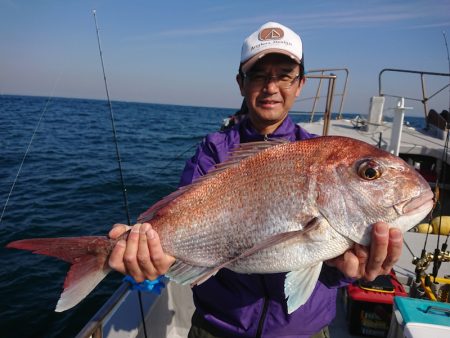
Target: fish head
(372, 185)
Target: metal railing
(329, 100)
(94, 328)
(422, 74)
(326, 74)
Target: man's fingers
(378, 250)
(143, 254)
(160, 260)
(394, 249)
(347, 263)
(117, 230)
(116, 257)
(130, 255)
(362, 253)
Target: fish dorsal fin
(245, 150)
(241, 152)
(148, 215)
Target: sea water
(69, 185)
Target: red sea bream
(272, 207)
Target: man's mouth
(268, 103)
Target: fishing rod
(441, 254)
(119, 161)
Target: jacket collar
(285, 130)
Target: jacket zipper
(262, 319)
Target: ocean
(69, 185)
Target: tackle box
(417, 318)
(369, 305)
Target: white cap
(271, 37)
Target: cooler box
(417, 318)
(369, 307)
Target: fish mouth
(424, 201)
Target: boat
(131, 313)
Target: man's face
(268, 101)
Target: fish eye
(369, 170)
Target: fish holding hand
(272, 207)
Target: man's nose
(271, 85)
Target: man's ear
(301, 83)
(240, 81)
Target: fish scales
(261, 196)
(239, 201)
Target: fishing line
(448, 61)
(29, 146)
(173, 160)
(119, 161)
(409, 249)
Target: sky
(188, 52)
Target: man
(271, 77)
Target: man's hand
(141, 255)
(378, 259)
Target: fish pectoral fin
(184, 273)
(299, 285)
(196, 275)
(268, 242)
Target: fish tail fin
(88, 257)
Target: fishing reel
(424, 284)
(437, 257)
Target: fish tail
(88, 257)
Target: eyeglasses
(259, 80)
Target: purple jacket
(253, 305)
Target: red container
(369, 310)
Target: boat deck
(414, 141)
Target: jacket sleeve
(204, 159)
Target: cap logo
(271, 34)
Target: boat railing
(94, 328)
(322, 75)
(425, 97)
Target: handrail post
(313, 109)
(344, 92)
(424, 99)
(329, 104)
